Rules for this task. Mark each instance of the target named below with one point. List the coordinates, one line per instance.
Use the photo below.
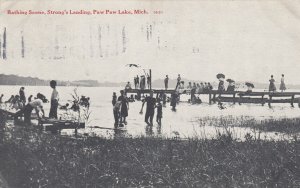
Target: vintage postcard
(141, 93)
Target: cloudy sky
(246, 40)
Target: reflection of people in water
(173, 101)
(116, 112)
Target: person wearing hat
(124, 107)
(151, 103)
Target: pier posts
(209, 96)
(270, 100)
(292, 101)
(234, 98)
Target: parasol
(249, 84)
(220, 75)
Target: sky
(245, 40)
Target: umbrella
(249, 84)
(133, 65)
(220, 75)
(230, 80)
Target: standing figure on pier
(137, 81)
(148, 81)
(282, 84)
(134, 82)
(272, 86)
(166, 82)
(142, 82)
(178, 81)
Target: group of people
(121, 108)
(142, 82)
(25, 107)
(272, 86)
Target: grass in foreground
(34, 159)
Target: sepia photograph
(149, 93)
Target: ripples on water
(184, 122)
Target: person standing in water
(54, 100)
(124, 107)
(150, 100)
(282, 84)
(166, 82)
(272, 86)
(159, 112)
(114, 98)
(22, 95)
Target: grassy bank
(29, 158)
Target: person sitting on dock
(128, 86)
(166, 82)
(272, 87)
(282, 84)
(221, 86)
(205, 88)
(231, 85)
(210, 87)
(150, 100)
(36, 104)
(178, 81)
(189, 86)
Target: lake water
(184, 122)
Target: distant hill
(159, 83)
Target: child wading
(54, 100)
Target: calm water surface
(184, 122)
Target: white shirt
(54, 95)
(36, 103)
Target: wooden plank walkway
(235, 96)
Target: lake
(184, 122)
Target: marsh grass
(282, 125)
(30, 158)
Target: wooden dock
(55, 125)
(257, 97)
